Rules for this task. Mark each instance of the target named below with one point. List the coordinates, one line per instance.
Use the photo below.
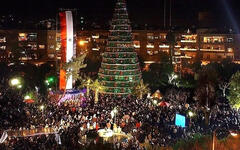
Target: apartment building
(35, 46)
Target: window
(150, 36)
(230, 49)
(51, 46)
(2, 39)
(136, 44)
(32, 46)
(51, 56)
(51, 37)
(32, 36)
(22, 37)
(2, 47)
(150, 52)
(229, 40)
(41, 46)
(150, 45)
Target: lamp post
(191, 114)
(15, 82)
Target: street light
(19, 86)
(234, 134)
(15, 82)
(82, 43)
(42, 107)
(191, 114)
(27, 97)
(155, 102)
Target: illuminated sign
(180, 120)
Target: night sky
(141, 11)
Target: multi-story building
(36, 46)
(40, 46)
(148, 44)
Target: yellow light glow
(190, 113)
(27, 97)
(42, 107)
(15, 82)
(81, 43)
(234, 134)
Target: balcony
(163, 46)
(212, 50)
(188, 49)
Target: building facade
(34, 46)
(40, 46)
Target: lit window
(51, 56)
(32, 36)
(150, 45)
(150, 36)
(95, 36)
(136, 44)
(32, 46)
(2, 47)
(230, 49)
(2, 39)
(96, 49)
(51, 46)
(229, 40)
(163, 46)
(41, 46)
(22, 37)
(150, 52)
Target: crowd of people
(146, 122)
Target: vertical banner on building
(66, 25)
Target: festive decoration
(120, 70)
(66, 23)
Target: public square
(173, 84)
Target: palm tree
(141, 89)
(72, 67)
(87, 82)
(97, 87)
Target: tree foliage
(141, 89)
(72, 67)
(234, 95)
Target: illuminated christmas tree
(120, 70)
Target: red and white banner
(66, 24)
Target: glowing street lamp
(81, 43)
(15, 82)
(19, 86)
(234, 134)
(27, 97)
(42, 107)
(191, 114)
(155, 102)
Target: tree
(87, 82)
(223, 86)
(205, 92)
(141, 89)
(234, 94)
(72, 67)
(97, 87)
(120, 70)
